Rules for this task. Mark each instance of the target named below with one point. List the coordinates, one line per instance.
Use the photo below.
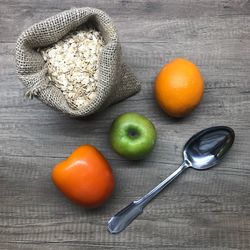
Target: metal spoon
(202, 151)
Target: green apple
(132, 136)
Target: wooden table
(200, 210)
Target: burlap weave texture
(116, 81)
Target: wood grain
(201, 210)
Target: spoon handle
(124, 217)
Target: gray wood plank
(151, 21)
(200, 210)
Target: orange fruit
(179, 87)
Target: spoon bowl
(206, 148)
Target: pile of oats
(73, 66)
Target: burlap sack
(116, 81)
